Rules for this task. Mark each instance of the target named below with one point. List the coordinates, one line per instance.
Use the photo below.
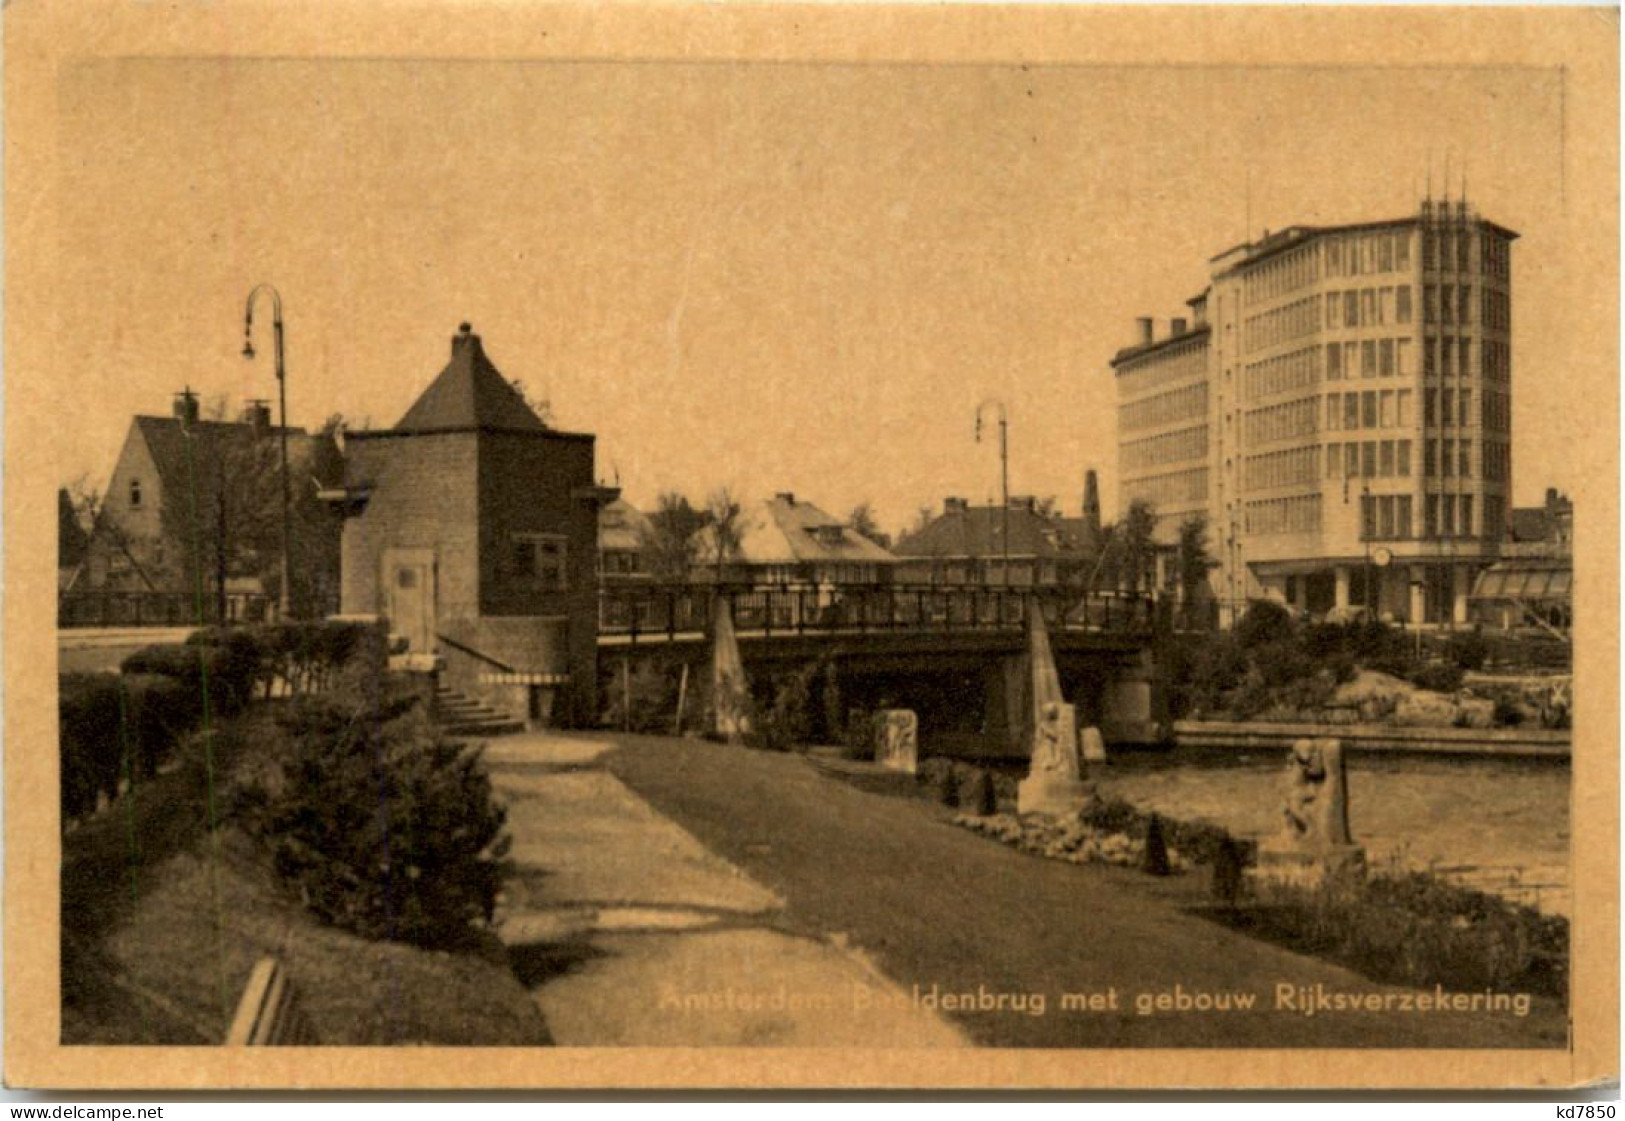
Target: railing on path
(655, 613)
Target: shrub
(1415, 929)
(1506, 714)
(307, 655)
(384, 828)
(1264, 621)
(858, 738)
(1282, 662)
(89, 743)
(1342, 668)
(228, 670)
(984, 799)
(651, 689)
(1439, 677)
(1469, 651)
(787, 722)
(1217, 667)
(1155, 860)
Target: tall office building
(1338, 405)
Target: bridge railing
(653, 612)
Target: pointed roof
(469, 393)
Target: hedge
(116, 730)
(307, 656)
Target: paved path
(629, 932)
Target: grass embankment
(162, 922)
(935, 905)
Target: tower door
(409, 596)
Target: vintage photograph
(830, 552)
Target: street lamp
(286, 609)
(1004, 469)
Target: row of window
(1171, 447)
(1448, 515)
(1368, 358)
(1165, 408)
(1371, 408)
(1497, 461)
(1497, 361)
(1497, 310)
(1447, 355)
(540, 558)
(1447, 408)
(1385, 516)
(1286, 273)
(1299, 514)
(1369, 459)
(1368, 307)
(1168, 365)
(1447, 458)
(1281, 422)
(1450, 304)
(1362, 254)
(1175, 487)
(1290, 321)
(1282, 374)
(1282, 468)
(1447, 249)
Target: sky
(773, 277)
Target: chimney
(1091, 504)
(186, 406)
(257, 415)
(1176, 327)
(466, 340)
(1145, 323)
(1023, 502)
(953, 505)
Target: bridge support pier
(1128, 710)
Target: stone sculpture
(897, 739)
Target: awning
(1526, 580)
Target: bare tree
(541, 406)
(105, 530)
(923, 516)
(675, 523)
(862, 522)
(724, 522)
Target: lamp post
(286, 608)
(1004, 469)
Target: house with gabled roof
(190, 496)
(791, 542)
(471, 525)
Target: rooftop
(962, 530)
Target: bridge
(643, 613)
(957, 655)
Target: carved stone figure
(897, 737)
(1314, 837)
(1316, 811)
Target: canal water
(1500, 825)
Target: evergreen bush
(385, 828)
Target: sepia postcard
(1021, 547)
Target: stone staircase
(462, 715)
